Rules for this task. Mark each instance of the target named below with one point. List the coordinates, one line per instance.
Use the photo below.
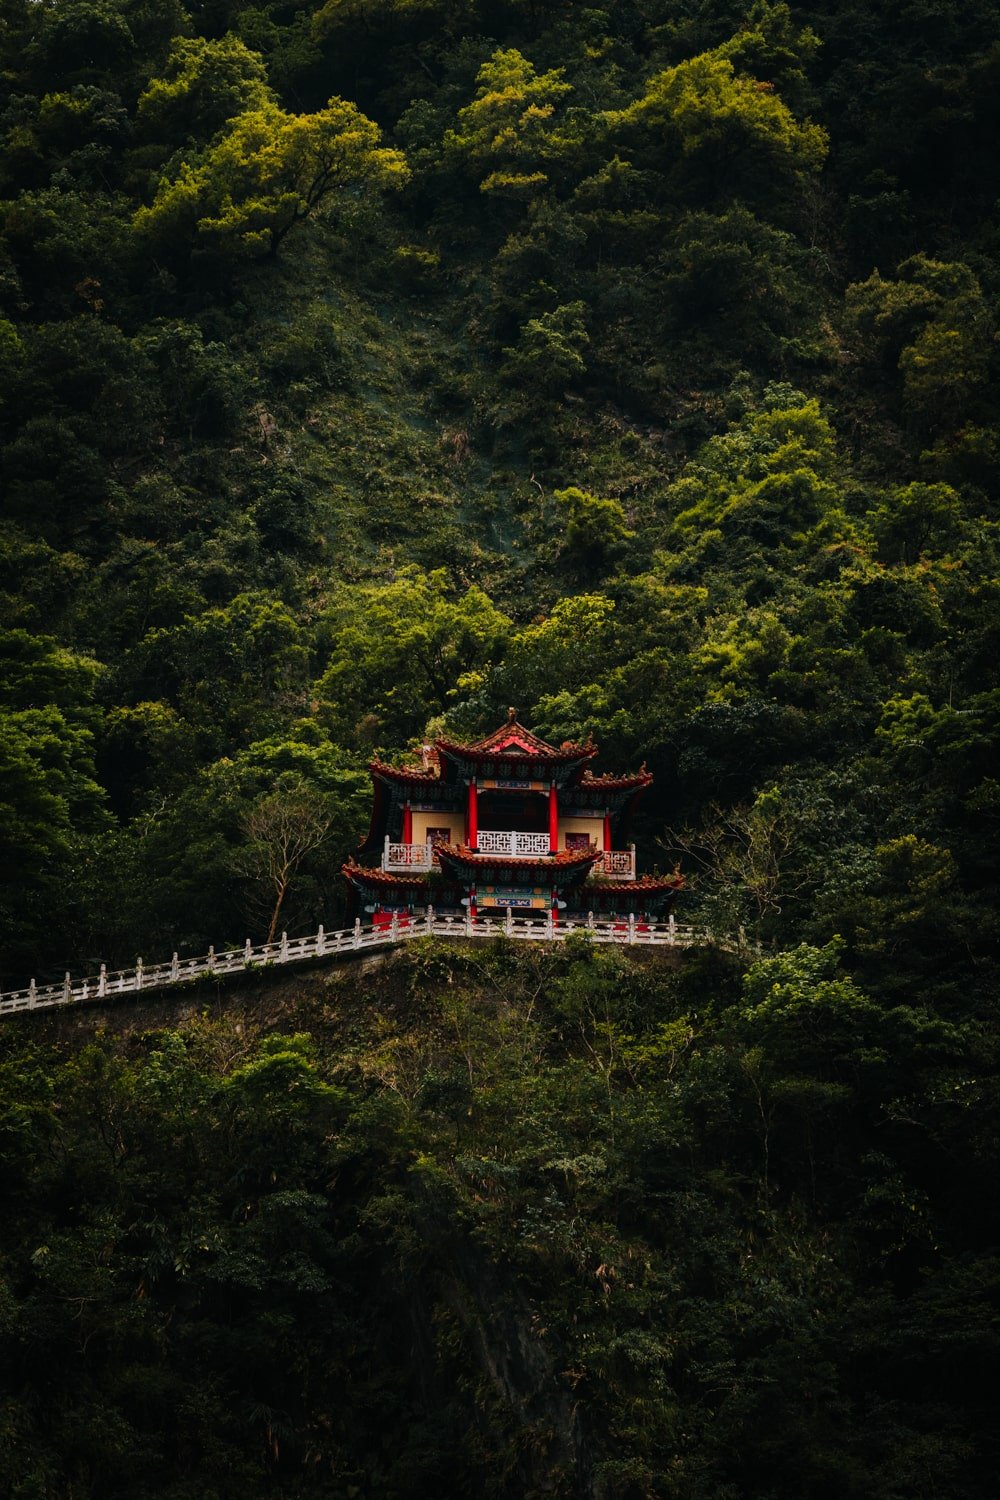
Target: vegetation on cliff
(506, 1222)
(367, 367)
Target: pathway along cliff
(351, 943)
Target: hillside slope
(502, 1222)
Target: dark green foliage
(553, 1222)
(365, 368)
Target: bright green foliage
(269, 172)
(769, 46)
(205, 85)
(935, 324)
(564, 648)
(596, 529)
(510, 134)
(398, 651)
(775, 467)
(704, 109)
(662, 404)
(550, 352)
(49, 791)
(915, 519)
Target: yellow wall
(593, 826)
(424, 820)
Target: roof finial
(511, 715)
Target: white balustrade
(407, 856)
(512, 843)
(525, 928)
(618, 864)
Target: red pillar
(607, 830)
(472, 817)
(407, 823)
(553, 820)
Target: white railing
(428, 923)
(407, 856)
(520, 845)
(616, 863)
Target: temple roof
(646, 883)
(609, 782)
(514, 738)
(509, 749)
(521, 870)
(366, 875)
(512, 757)
(419, 775)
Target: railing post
(138, 973)
(552, 923)
(394, 928)
(211, 959)
(175, 968)
(430, 918)
(321, 940)
(357, 932)
(385, 854)
(508, 921)
(67, 987)
(631, 926)
(283, 948)
(102, 980)
(671, 929)
(590, 921)
(32, 995)
(468, 921)
(247, 953)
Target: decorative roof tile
(407, 774)
(526, 866)
(366, 875)
(645, 883)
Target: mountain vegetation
(369, 366)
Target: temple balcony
(616, 864)
(512, 844)
(413, 857)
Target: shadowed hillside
(500, 1221)
(370, 367)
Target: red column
(472, 817)
(607, 830)
(407, 823)
(553, 820)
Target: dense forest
(367, 367)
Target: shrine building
(505, 822)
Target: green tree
(281, 830)
(510, 134)
(267, 173)
(596, 530)
(704, 121)
(549, 353)
(398, 652)
(205, 84)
